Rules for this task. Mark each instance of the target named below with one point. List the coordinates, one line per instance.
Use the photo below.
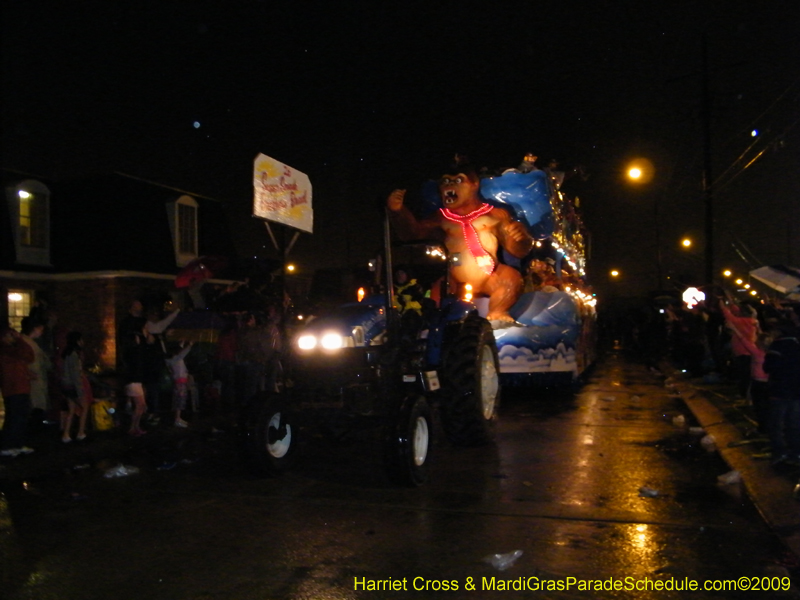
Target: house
(86, 248)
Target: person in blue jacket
(782, 364)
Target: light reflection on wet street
(563, 484)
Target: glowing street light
(686, 243)
(614, 273)
(290, 268)
(640, 171)
(727, 273)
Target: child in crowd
(180, 380)
(134, 390)
(73, 387)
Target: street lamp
(641, 171)
(686, 243)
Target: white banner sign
(282, 194)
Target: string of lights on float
(581, 296)
(569, 244)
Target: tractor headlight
(329, 340)
(307, 342)
(332, 341)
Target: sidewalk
(164, 444)
(771, 489)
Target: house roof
(116, 222)
(119, 223)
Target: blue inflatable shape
(545, 320)
(537, 338)
(528, 195)
(543, 308)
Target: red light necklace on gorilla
(482, 258)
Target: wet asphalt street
(596, 487)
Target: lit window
(32, 219)
(19, 306)
(29, 209)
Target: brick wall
(89, 307)
(94, 307)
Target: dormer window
(29, 208)
(183, 223)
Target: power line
(755, 158)
(757, 139)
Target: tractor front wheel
(407, 443)
(273, 438)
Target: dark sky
(368, 96)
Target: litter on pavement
(503, 561)
(729, 478)
(120, 471)
(647, 492)
(709, 443)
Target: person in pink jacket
(744, 328)
(759, 379)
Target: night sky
(367, 96)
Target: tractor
(371, 364)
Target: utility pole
(707, 179)
(659, 267)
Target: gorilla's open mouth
(449, 197)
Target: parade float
(555, 317)
(551, 336)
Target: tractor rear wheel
(471, 384)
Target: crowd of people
(43, 377)
(42, 370)
(753, 345)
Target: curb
(771, 492)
